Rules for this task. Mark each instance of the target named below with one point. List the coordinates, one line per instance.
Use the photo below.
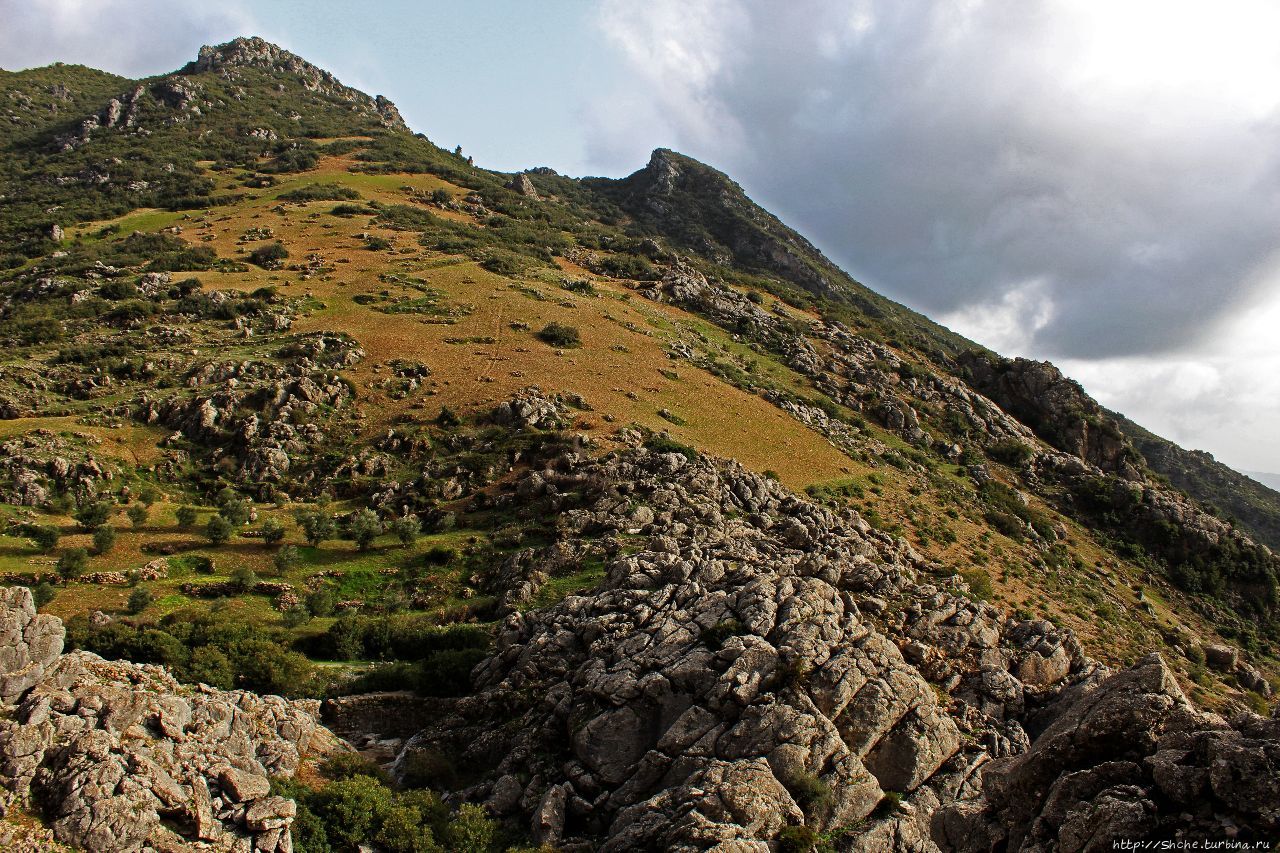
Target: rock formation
(753, 662)
(119, 756)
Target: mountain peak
(257, 52)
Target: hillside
(542, 481)
(1253, 504)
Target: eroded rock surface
(752, 661)
(121, 757)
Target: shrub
(104, 539)
(72, 563)
(285, 559)
(186, 516)
(797, 839)
(210, 665)
(1011, 452)
(243, 579)
(235, 511)
(406, 529)
(471, 831)
(321, 602)
(560, 335)
(316, 527)
(439, 555)
(139, 600)
(272, 531)
(138, 515)
(320, 192)
(377, 244)
(715, 636)
(979, 583)
(808, 790)
(270, 256)
(43, 593)
(448, 672)
(218, 530)
(364, 527)
(46, 538)
(92, 515)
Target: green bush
(272, 531)
(139, 600)
(560, 335)
(797, 839)
(270, 256)
(43, 593)
(185, 516)
(46, 538)
(218, 530)
(364, 527)
(92, 514)
(72, 563)
(104, 539)
(320, 192)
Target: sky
(1097, 184)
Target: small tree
(138, 514)
(235, 511)
(321, 602)
(72, 563)
(364, 528)
(46, 538)
(272, 531)
(270, 256)
(243, 578)
(560, 335)
(92, 514)
(406, 529)
(148, 496)
(218, 530)
(43, 593)
(316, 527)
(294, 616)
(285, 559)
(186, 516)
(139, 600)
(104, 539)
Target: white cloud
(134, 38)
(1124, 158)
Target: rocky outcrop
(751, 662)
(521, 184)
(120, 756)
(1126, 759)
(255, 52)
(1057, 408)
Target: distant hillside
(1254, 506)
(1270, 480)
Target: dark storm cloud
(951, 154)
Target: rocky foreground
(755, 668)
(755, 672)
(119, 756)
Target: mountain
(600, 513)
(1271, 481)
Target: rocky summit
(355, 497)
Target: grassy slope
(1118, 608)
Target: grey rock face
(724, 682)
(752, 661)
(121, 757)
(29, 643)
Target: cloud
(1124, 157)
(133, 38)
